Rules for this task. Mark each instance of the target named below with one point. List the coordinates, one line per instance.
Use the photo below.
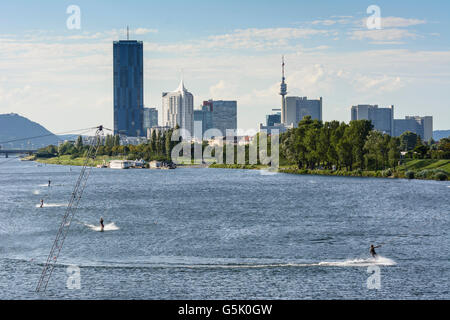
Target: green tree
(345, 149)
(377, 150)
(394, 151)
(359, 130)
(153, 142)
(168, 143)
(408, 141)
(117, 140)
(79, 144)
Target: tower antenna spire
(283, 92)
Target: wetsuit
(372, 251)
(101, 223)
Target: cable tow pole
(69, 213)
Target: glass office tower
(128, 88)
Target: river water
(197, 233)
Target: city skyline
(52, 73)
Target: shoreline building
(272, 119)
(203, 121)
(422, 126)
(128, 66)
(217, 114)
(299, 107)
(150, 119)
(224, 114)
(273, 122)
(157, 130)
(178, 109)
(382, 118)
(293, 109)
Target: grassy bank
(427, 169)
(426, 164)
(413, 169)
(67, 160)
(239, 166)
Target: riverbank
(425, 169)
(79, 161)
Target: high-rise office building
(427, 128)
(299, 107)
(128, 87)
(422, 126)
(273, 123)
(272, 119)
(150, 119)
(217, 114)
(203, 115)
(224, 114)
(382, 118)
(178, 109)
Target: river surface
(194, 233)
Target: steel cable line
(49, 134)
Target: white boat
(120, 164)
(155, 164)
(139, 163)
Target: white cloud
(326, 22)
(382, 34)
(398, 22)
(141, 31)
(223, 90)
(51, 82)
(378, 84)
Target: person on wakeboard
(42, 203)
(372, 250)
(101, 224)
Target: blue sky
(62, 78)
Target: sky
(231, 50)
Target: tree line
(312, 145)
(337, 145)
(158, 147)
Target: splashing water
(52, 205)
(108, 227)
(380, 261)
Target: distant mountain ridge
(439, 134)
(14, 126)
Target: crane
(70, 212)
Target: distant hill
(439, 134)
(14, 126)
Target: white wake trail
(380, 261)
(108, 227)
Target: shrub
(440, 176)
(387, 173)
(409, 174)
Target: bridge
(17, 151)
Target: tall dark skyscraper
(128, 88)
